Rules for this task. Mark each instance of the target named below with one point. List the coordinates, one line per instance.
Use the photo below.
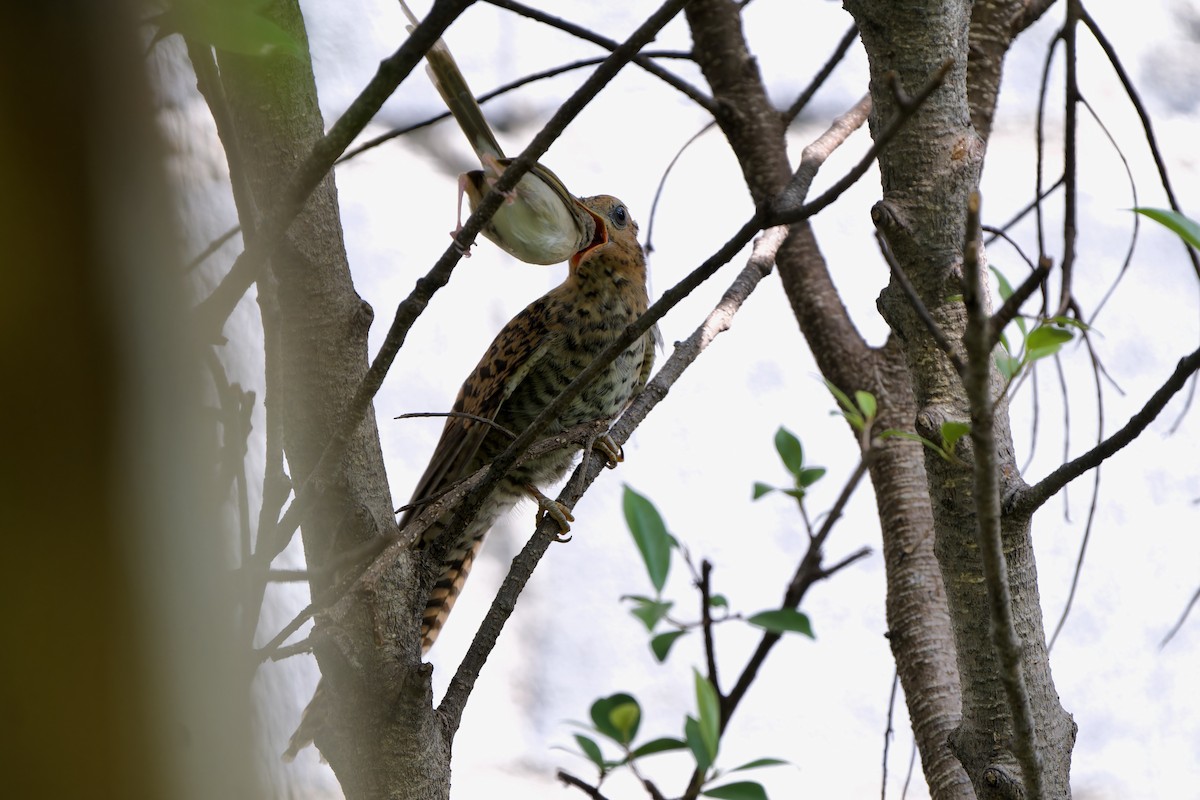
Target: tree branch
(522, 566)
(216, 308)
(977, 381)
(695, 95)
(1028, 500)
(439, 274)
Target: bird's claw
(559, 512)
(613, 453)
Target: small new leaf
(761, 762)
(1045, 341)
(783, 620)
(591, 750)
(651, 612)
(695, 743)
(661, 644)
(743, 790)
(617, 717)
(662, 745)
(1183, 227)
(951, 432)
(761, 489)
(866, 403)
(810, 475)
(789, 450)
(709, 707)
(650, 534)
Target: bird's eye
(619, 216)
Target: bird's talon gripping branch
(557, 511)
(613, 453)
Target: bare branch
(414, 304)
(706, 621)
(533, 77)
(910, 291)
(216, 308)
(570, 780)
(1028, 500)
(978, 385)
(787, 214)
(843, 47)
(1012, 306)
(695, 95)
(1182, 619)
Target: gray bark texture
(928, 171)
(381, 734)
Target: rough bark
(382, 736)
(927, 173)
(919, 625)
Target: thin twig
(806, 96)
(1182, 619)
(694, 94)
(1028, 500)
(787, 214)
(706, 621)
(570, 780)
(888, 732)
(439, 275)
(503, 89)
(1012, 306)
(1070, 168)
(216, 308)
(986, 480)
(491, 423)
(910, 291)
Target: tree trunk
(928, 171)
(381, 734)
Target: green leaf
(650, 534)
(1183, 227)
(718, 601)
(842, 398)
(651, 612)
(760, 489)
(1008, 365)
(743, 790)
(591, 750)
(783, 620)
(235, 26)
(662, 745)
(761, 762)
(626, 717)
(809, 476)
(617, 717)
(710, 714)
(695, 743)
(789, 450)
(661, 644)
(951, 432)
(1045, 341)
(1002, 285)
(796, 493)
(866, 403)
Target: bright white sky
(821, 705)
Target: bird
(531, 361)
(533, 358)
(540, 222)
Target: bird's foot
(613, 453)
(557, 511)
